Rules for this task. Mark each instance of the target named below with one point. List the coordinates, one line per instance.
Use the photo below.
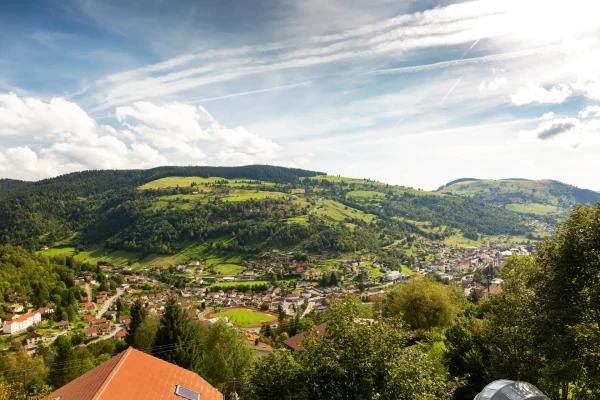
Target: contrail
(466, 61)
(469, 49)
(227, 96)
(451, 89)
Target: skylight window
(186, 393)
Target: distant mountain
(523, 195)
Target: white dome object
(510, 390)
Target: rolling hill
(541, 197)
(169, 215)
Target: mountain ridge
(543, 196)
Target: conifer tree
(138, 314)
(177, 339)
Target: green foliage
(423, 304)
(541, 197)
(37, 279)
(225, 355)
(174, 341)
(138, 314)
(33, 214)
(352, 361)
(146, 332)
(62, 369)
(543, 327)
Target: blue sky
(408, 92)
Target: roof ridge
(113, 372)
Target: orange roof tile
(133, 374)
(22, 318)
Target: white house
(33, 338)
(228, 279)
(23, 322)
(392, 276)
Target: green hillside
(543, 197)
(225, 215)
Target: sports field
(244, 317)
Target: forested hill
(92, 182)
(242, 211)
(522, 195)
(30, 211)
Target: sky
(409, 92)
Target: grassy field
(197, 250)
(405, 270)
(100, 254)
(424, 226)
(189, 250)
(237, 283)
(366, 183)
(338, 212)
(178, 181)
(461, 241)
(180, 201)
(299, 220)
(364, 194)
(244, 195)
(244, 317)
(533, 208)
(186, 181)
(55, 251)
(229, 269)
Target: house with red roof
(121, 334)
(91, 332)
(23, 322)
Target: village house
(64, 325)
(97, 321)
(23, 322)
(104, 328)
(33, 338)
(91, 332)
(45, 311)
(120, 335)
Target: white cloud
(492, 85)
(57, 137)
(182, 126)
(590, 87)
(554, 127)
(565, 131)
(590, 111)
(57, 118)
(538, 94)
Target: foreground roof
(133, 374)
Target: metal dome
(510, 390)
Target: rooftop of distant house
(295, 342)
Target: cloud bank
(60, 137)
